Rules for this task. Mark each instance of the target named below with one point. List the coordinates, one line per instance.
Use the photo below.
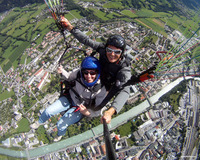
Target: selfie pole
(110, 153)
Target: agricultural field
(129, 13)
(151, 14)
(18, 30)
(152, 20)
(100, 14)
(73, 14)
(115, 5)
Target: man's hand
(108, 115)
(65, 23)
(84, 110)
(60, 69)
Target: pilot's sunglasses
(109, 50)
(90, 72)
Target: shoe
(58, 138)
(35, 125)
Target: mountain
(156, 5)
(9, 4)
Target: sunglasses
(89, 72)
(109, 50)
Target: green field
(196, 53)
(23, 126)
(149, 13)
(150, 19)
(18, 30)
(28, 102)
(4, 157)
(6, 94)
(115, 5)
(129, 13)
(1, 87)
(73, 14)
(100, 14)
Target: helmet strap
(118, 60)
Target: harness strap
(77, 108)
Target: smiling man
(113, 53)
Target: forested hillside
(155, 5)
(160, 5)
(8, 4)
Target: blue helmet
(93, 64)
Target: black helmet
(117, 41)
